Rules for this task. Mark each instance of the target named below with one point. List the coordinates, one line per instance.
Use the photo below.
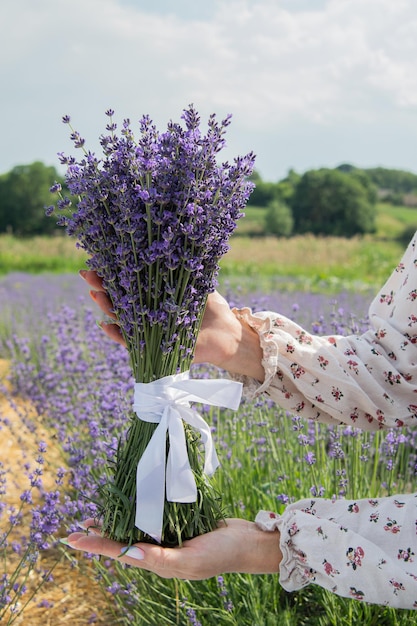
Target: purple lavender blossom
(155, 214)
(39, 508)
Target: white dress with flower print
(363, 549)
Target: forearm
(247, 358)
(368, 381)
(350, 380)
(360, 549)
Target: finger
(96, 544)
(90, 525)
(113, 332)
(92, 279)
(90, 521)
(103, 301)
(166, 562)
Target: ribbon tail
(180, 481)
(150, 484)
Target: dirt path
(73, 597)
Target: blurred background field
(302, 262)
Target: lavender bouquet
(155, 214)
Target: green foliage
(24, 193)
(288, 185)
(362, 177)
(278, 219)
(331, 202)
(253, 224)
(395, 180)
(396, 222)
(263, 194)
(407, 234)
(393, 185)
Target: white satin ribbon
(167, 402)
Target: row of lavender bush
(80, 385)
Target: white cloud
(348, 62)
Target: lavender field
(72, 389)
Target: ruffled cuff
(362, 549)
(262, 323)
(294, 574)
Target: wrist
(246, 353)
(263, 551)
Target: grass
(56, 254)
(311, 263)
(303, 262)
(321, 264)
(393, 220)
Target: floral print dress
(365, 549)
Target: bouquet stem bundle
(155, 215)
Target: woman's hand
(235, 546)
(100, 297)
(223, 340)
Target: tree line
(24, 194)
(339, 202)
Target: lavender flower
(155, 215)
(223, 592)
(20, 552)
(157, 212)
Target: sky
(309, 83)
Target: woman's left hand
(235, 546)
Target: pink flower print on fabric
(398, 586)
(337, 393)
(297, 370)
(392, 526)
(406, 555)
(356, 593)
(355, 556)
(387, 298)
(329, 569)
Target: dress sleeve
(360, 549)
(368, 381)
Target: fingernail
(82, 273)
(93, 294)
(89, 528)
(132, 552)
(65, 542)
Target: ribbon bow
(167, 402)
